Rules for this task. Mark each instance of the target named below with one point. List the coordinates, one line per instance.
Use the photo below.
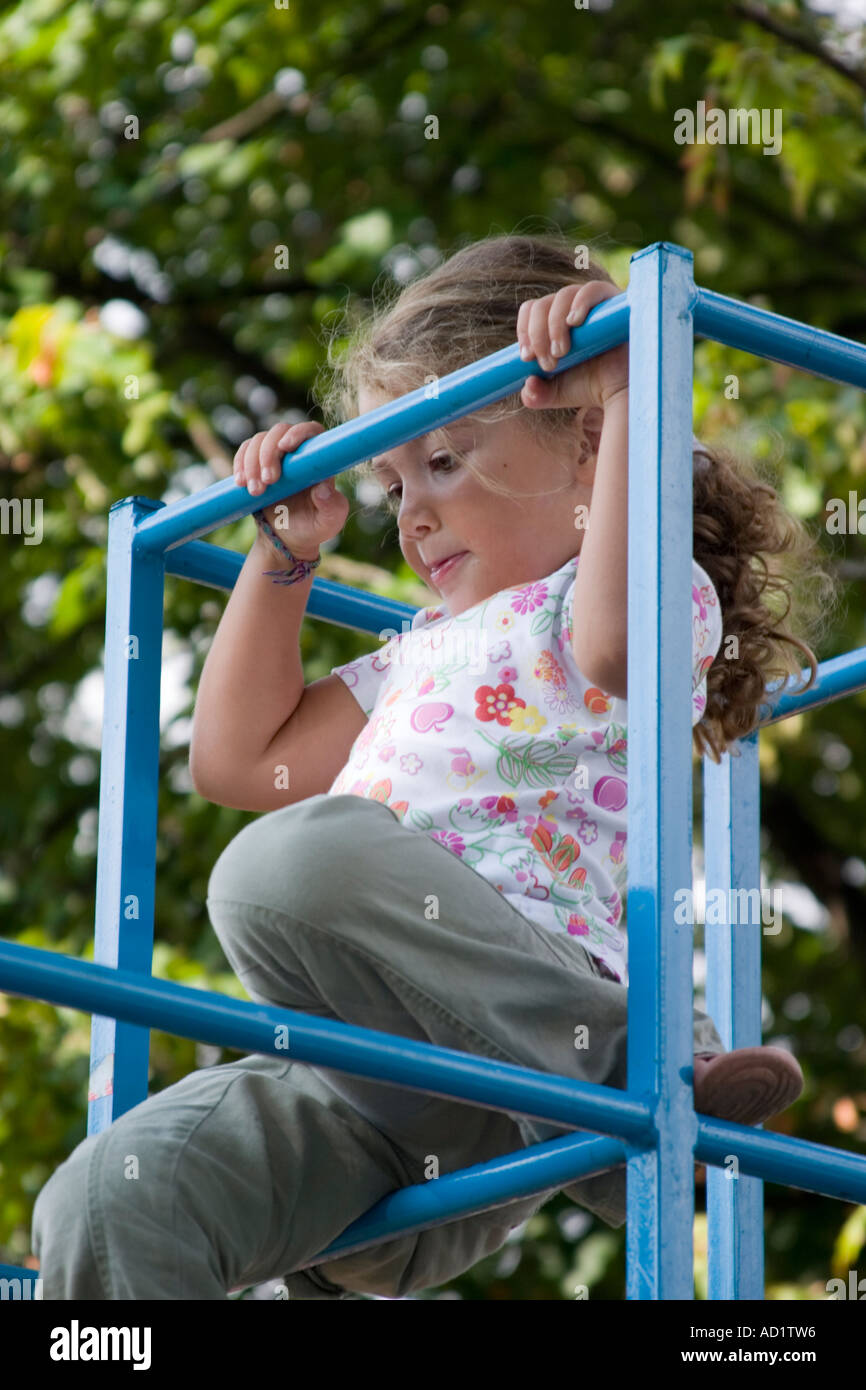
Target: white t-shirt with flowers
(483, 733)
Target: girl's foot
(747, 1085)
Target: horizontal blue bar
(213, 1018)
(759, 1153)
(333, 603)
(536, 1169)
(440, 1071)
(501, 1181)
(467, 390)
(779, 339)
(552, 1165)
(778, 1158)
(840, 676)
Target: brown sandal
(747, 1085)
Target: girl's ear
(591, 423)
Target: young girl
(445, 854)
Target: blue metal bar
(535, 1169)
(333, 603)
(732, 852)
(217, 1019)
(778, 339)
(841, 675)
(266, 1029)
(128, 791)
(829, 1172)
(779, 1158)
(660, 1183)
(419, 412)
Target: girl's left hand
(543, 331)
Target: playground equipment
(652, 1127)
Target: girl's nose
(415, 509)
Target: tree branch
(807, 43)
(366, 57)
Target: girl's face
(501, 541)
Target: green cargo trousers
(249, 1169)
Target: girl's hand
(315, 514)
(543, 331)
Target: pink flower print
(587, 830)
(501, 651)
(411, 763)
(577, 925)
(698, 599)
(530, 597)
(386, 753)
(450, 840)
(508, 673)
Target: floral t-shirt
(483, 733)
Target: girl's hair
(466, 308)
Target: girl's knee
(274, 850)
(295, 860)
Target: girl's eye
(391, 494)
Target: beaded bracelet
(300, 568)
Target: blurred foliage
(155, 157)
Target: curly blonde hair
(466, 308)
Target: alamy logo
(75, 1343)
(737, 126)
(461, 647)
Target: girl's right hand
(312, 519)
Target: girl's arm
(600, 618)
(253, 679)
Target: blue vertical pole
(128, 790)
(660, 1182)
(732, 851)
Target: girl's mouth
(446, 567)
